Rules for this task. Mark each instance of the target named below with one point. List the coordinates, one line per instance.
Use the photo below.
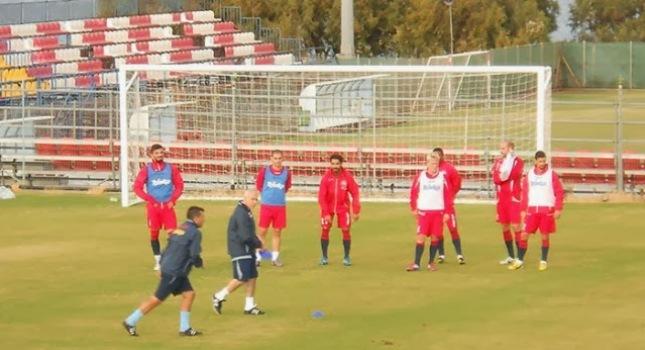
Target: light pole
(452, 39)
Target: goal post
(220, 123)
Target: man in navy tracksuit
(242, 243)
(181, 254)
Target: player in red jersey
(454, 180)
(273, 182)
(163, 187)
(338, 197)
(507, 176)
(431, 203)
(541, 206)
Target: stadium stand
(38, 55)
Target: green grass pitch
(73, 266)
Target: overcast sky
(563, 32)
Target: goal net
(220, 123)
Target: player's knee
(346, 235)
(277, 233)
(454, 234)
(154, 235)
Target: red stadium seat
(87, 81)
(43, 57)
(182, 43)
(138, 34)
(5, 32)
(95, 23)
(48, 27)
(94, 38)
(90, 66)
(40, 71)
(181, 56)
(45, 42)
(225, 26)
(140, 20)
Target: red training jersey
(338, 192)
(142, 178)
(509, 189)
(452, 175)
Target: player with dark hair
(507, 176)
(163, 187)
(273, 183)
(541, 206)
(454, 182)
(181, 254)
(338, 196)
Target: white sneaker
(157, 267)
(543, 265)
(507, 261)
(516, 265)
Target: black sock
(457, 244)
(441, 248)
(347, 245)
(324, 245)
(521, 253)
(509, 248)
(156, 248)
(433, 252)
(545, 253)
(417, 254)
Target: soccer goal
(220, 123)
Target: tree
(609, 20)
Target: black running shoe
(190, 332)
(217, 305)
(132, 330)
(254, 311)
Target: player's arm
(322, 198)
(356, 200)
(456, 181)
(195, 249)
(178, 185)
(518, 168)
(259, 180)
(414, 194)
(496, 173)
(244, 231)
(448, 201)
(139, 182)
(558, 191)
(287, 184)
(524, 201)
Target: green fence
(582, 64)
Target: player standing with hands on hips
(163, 187)
(338, 196)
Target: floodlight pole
(452, 39)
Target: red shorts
(344, 221)
(430, 223)
(273, 214)
(543, 221)
(161, 217)
(508, 212)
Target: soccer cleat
(324, 261)
(217, 305)
(412, 267)
(347, 261)
(543, 266)
(277, 263)
(190, 332)
(516, 265)
(432, 267)
(461, 260)
(441, 259)
(132, 330)
(254, 312)
(508, 261)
